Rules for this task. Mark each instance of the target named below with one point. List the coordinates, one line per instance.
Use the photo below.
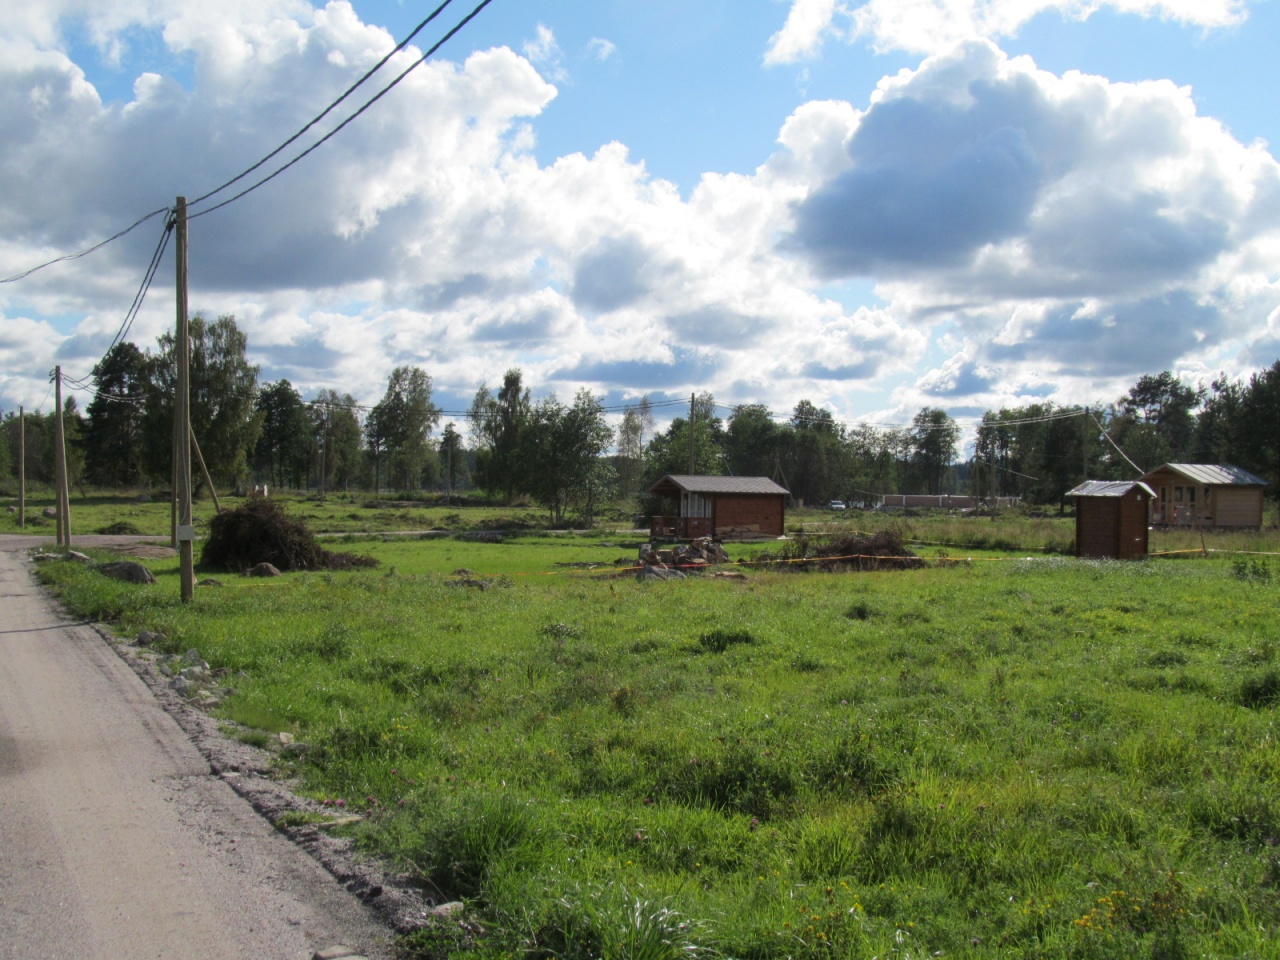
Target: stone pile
(189, 676)
(683, 559)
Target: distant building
(1205, 495)
(1111, 518)
(720, 507)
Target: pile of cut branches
(260, 531)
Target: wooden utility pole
(185, 531)
(22, 467)
(62, 506)
(1084, 447)
(692, 450)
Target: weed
(718, 641)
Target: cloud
(600, 49)
(931, 26)
(1035, 229)
(544, 52)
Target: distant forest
(567, 457)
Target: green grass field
(1011, 757)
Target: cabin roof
(1108, 488)
(1213, 474)
(679, 482)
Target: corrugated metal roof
(1108, 488)
(1214, 474)
(698, 484)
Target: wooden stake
(217, 507)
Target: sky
(875, 206)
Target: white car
(836, 505)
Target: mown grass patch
(1031, 758)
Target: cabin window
(1191, 495)
(1177, 494)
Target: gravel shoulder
(133, 827)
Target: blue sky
(874, 205)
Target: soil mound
(260, 531)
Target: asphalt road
(117, 840)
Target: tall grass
(1033, 758)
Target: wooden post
(22, 467)
(692, 457)
(62, 534)
(1084, 447)
(217, 507)
(182, 413)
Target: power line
(369, 103)
(88, 250)
(329, 109)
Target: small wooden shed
(720, 507)
(1111, 518)
(1214, 496)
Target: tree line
(565, 456)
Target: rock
(44, 557)
(192, 659)
(263, 570)
(49, 513)
(130, 571)
(11, 508)
(182, 686)
(286, 738)
(208, 582)
(146, 638)
(77, 556)
(336, 952)
(446, 910)
(659, 573)
(198, 674)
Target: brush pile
(879, 551)
(260, 531)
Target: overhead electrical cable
(327, 110)
(368, 103)
(88, 250)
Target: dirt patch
(143, 551)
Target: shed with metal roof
(721, 507)
(1111, 518)
(1212, 496)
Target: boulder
(146, 638)
(50, 513)
(262, 570)
(130, 571)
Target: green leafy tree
(562, 449)
(1260, 409)
(113, 429)
(283, 451)
(752, 442)
(935, 439)
(668, 451)
(497, 427)
(1155, 422)
(404, 418)
(336, 436)
(815, 454)
(453, 459)
(1220, 425)
(223, 388)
